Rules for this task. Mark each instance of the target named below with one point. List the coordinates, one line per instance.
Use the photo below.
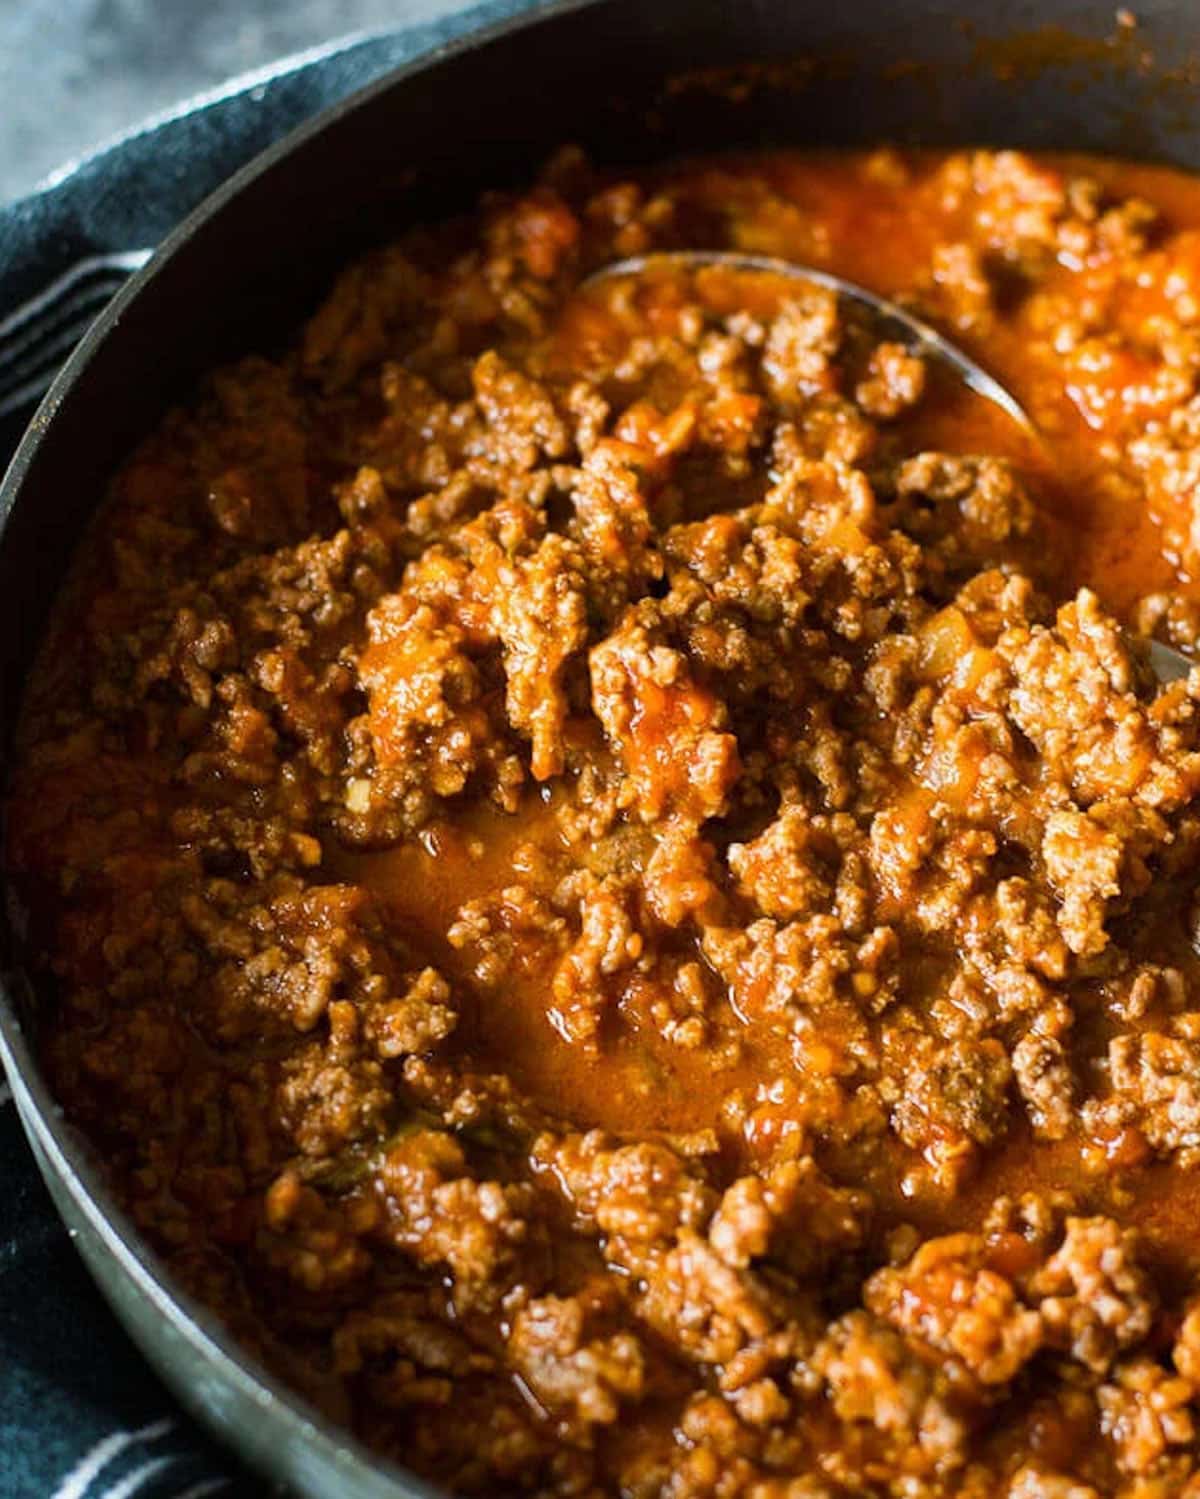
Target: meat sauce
(606, 858)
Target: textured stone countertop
(73, 73)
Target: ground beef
(1156, 1089)
(895, 380)
(441, 1215)
(1095, 1297)
(1043, 1073)
(873, 1377)
(617, 885)
(1146, 1414)
(583, 1379)
(1036, 1483)
(948, 1296)
(792, 1214)
(666, 728)
(954, 1099)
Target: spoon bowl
(892, 321)
(895, 323)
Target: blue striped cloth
(81, 1414)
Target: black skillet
(630, 80)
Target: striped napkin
(81, 1415)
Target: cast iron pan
(630, 81)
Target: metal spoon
(917, 336)
(1168, 665)
(899, 325)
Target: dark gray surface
(73, 73)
